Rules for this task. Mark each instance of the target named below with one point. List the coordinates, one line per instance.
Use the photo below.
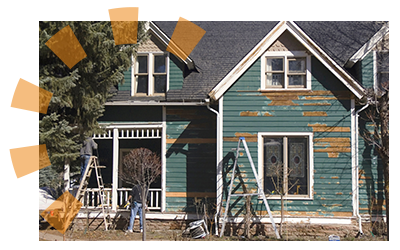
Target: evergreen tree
(79, 93)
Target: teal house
(293, 90)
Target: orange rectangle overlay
(124, 23)
(62, 212)
(29, 159)
(185, 38)
(30, 97)
(67, 47)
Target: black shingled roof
(226, 43)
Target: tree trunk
(144, 202)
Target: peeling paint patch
(333, 155)
(317, 104)
(249, 137)
(318, 127)
(315, 113)
(266, 113)
(249, 113)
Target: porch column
(163, 158)
(115, 169)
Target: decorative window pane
(142, 64)
(273, 151)
(160, 83)
(159, 64)
(297, 169)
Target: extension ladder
(260, 191)
(94, 164)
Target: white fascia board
(367, 47)
(247, 61)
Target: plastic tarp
(46, 199)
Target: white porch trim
(115, 169)
(132, 131)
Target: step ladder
(260, 191)
(94, 164)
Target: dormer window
(285, 70)
(150, 74)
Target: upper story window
(282, 70)
(150, 74)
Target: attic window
(285, 70)
(150, 74)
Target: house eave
(220, 89)
(368, 46)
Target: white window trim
(285, 55)
(150, 60)
(310, 173)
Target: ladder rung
(101, 166)
(246, 194)
(234, 149)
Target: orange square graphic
(185, 38)
(27, 160)
(62, 212)
(67, 47)
(125, 32)
(31, 97)
(124, 23)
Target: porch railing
(92, 198)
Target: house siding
(175, 73)
(190, 157)
(371, 185)
(325, 111)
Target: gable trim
(220, 89)
(368, 46)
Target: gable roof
(227, 45)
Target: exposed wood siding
(325, 111)
(191, 157)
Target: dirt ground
(172, 235)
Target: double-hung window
(286, 164)
(285, 70)
(150, 74)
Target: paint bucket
(196, 229)
(334, 238)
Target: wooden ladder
(94, 164)
(260, 191)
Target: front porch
(117, 141)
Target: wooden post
(115, 170)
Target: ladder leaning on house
(94, 164)
(260, 191)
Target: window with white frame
(285, 70)
(150, 74)
(286, 164)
